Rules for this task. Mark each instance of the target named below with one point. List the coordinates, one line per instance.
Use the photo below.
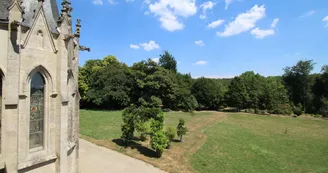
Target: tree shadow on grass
(133, 145)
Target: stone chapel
(39, 99)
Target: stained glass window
(37, 111)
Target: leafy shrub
(128, 124)
(181, 129)
(159, 142)
(298, 110)
(143, 129)
(170, 134)
(284, 109)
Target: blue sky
(222, 38)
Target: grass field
(225, 142)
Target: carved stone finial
(78, 28)
(66, 11)
(66, 7)
(83, 48)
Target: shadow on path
(133, 145)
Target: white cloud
(325, 20)
(146, 1)
(215, 24)
(97, 2)
(134, 46)
(168, 12)
(275, 22)
(206, 6)
(112, 2)
(260, 34)
(228, 2)
(155, 60)
(309, 13)
(244, 21)
(151, 45)
(200, 63)
(199, 43)
(129, 0)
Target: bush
(181, 129)
(284, 109)
(159, 142)
(128, 124)
(143, 129)
(170, 134)
(298, 110)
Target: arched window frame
(48, 92)
(38, 109)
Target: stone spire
(78, 28)
(66, 11)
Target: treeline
(110, 84)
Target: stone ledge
(36, 161)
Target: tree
(208, 92)
(254, 84)
(297, 80)
(237, 95)
(153, 81)
(320, 91)
(168, 61)
(181, 129)
(110, 84)
(275, 96)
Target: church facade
(39, 99)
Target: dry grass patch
(175, 159)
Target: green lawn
(259, 144)
(107, 124)
(228, 142)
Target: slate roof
(50, 10)
(3, 9)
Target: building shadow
(133, 145)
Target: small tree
(298, 110)
(181, 129)
(159, 142)
(170, 134)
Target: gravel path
(96, 159)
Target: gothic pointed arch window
(37, 100)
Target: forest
(108, 84)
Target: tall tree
(254, 84)
(320, 91)
(208, 92)
(298, 82)
(168, 61)
(237, 94)
(110, 84)
(153, 81)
